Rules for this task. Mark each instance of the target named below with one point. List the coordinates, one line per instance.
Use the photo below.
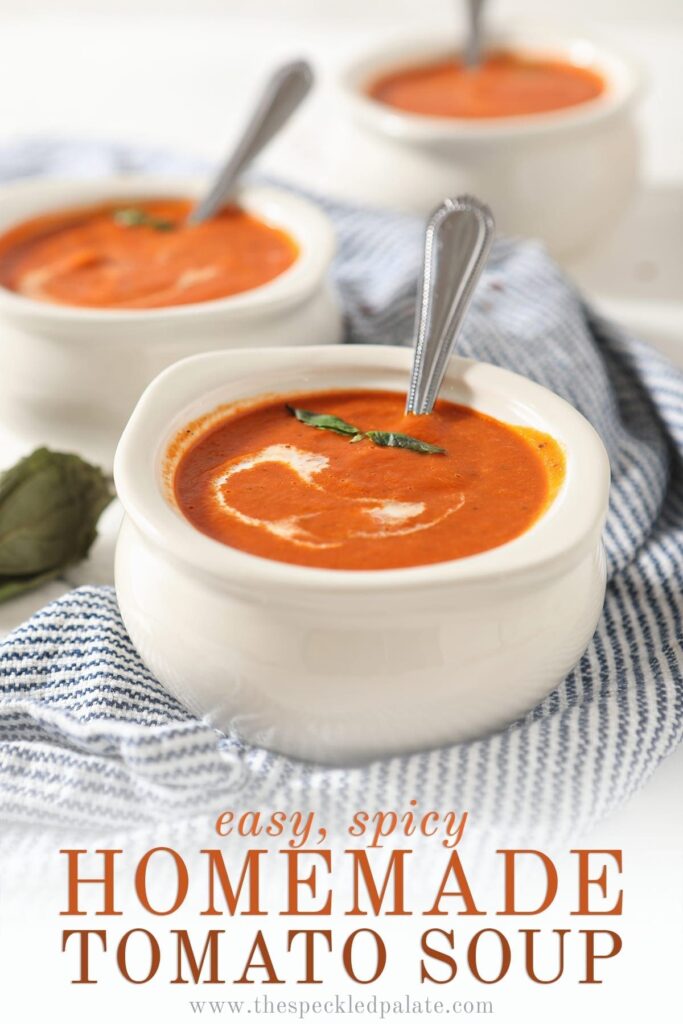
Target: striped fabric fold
(88, 738)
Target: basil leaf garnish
(322, 421)
(382, 438)
(134, 217)
(49, 506)
(388, 439)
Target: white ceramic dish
(70, 377)
(338, 666)
(564, 176)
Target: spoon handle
(473, 46)
(284, 92)
(457, 243)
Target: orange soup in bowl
(141, 255)
(346, 480)
(504, 84)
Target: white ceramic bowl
(564, 176)
(70, 377)
(340, 666)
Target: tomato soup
(141, 255)
(503, 85)
(258, 479)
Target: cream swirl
(379, 517)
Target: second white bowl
(565, 176)
(70, 377)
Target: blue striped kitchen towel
(88, 738)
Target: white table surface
(184, 80)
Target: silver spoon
(283, 94)
(474, 33)
(457, 243)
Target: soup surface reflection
(503, 85)
(257, 479)
(141, 255)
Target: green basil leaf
(49, 506)
(322, 421)
(383, 438)
(134, 217)
(388, 439)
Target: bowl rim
(624, 76)
(562, 534)
(304, 220)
